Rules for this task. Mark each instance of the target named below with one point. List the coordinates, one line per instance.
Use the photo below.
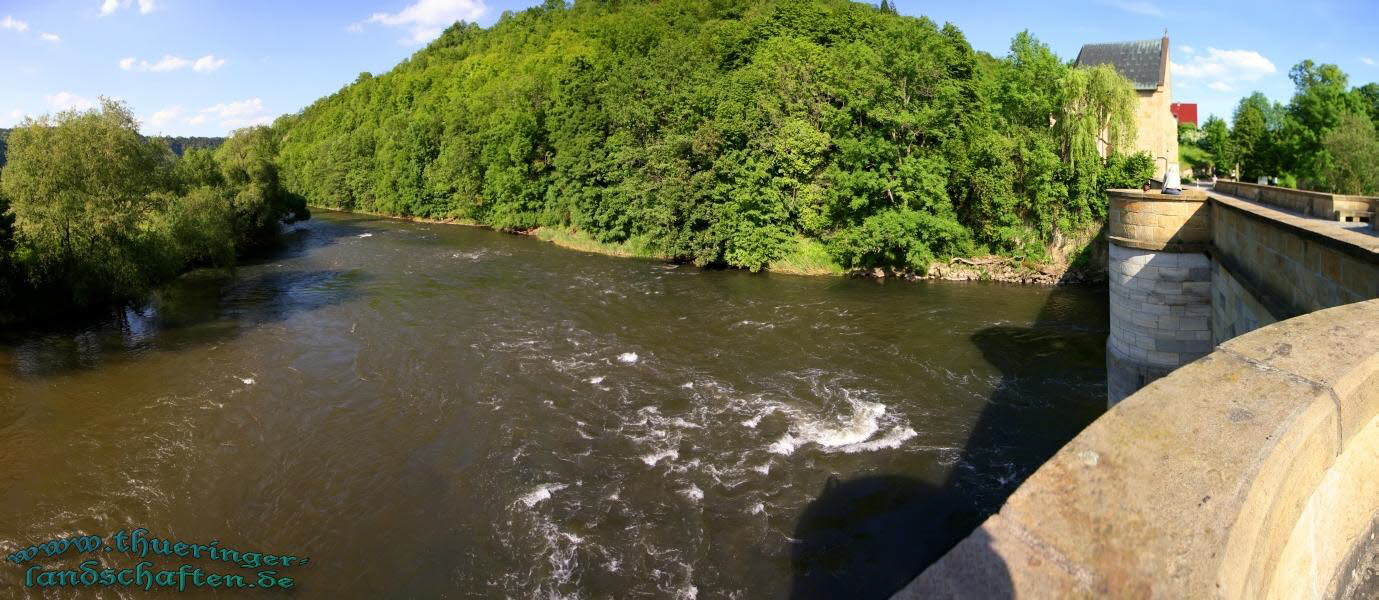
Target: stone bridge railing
(1313, 204)
(1250, 473)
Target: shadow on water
(868, 537)
(202, 307)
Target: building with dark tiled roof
(1145, 63)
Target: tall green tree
(1216, 140)
(79, 185)
(93, 212)
(1255, 136)
(1353, 149)
(1320, 100)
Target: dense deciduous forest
(1323, 139)
(92, 212)
(728, 132)
(802, 134)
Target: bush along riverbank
(810, 136)
(1071, 260)
(94, 214)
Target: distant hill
(178, 144)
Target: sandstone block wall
(1156, 130)
(1153, 221)
(1235, 310)
(1160, 314)
(1287, 265)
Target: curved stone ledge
(1157, 221)
(1250, 473)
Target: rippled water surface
(437, 411)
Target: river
(439, 411)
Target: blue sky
(204, 67)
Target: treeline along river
(440, 411)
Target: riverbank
(1073, 259)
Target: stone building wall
(1156, 130)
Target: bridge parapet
(1190, 271)
(1319, 205)
(1246, 474)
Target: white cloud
(10, 22)
(1367, 60)
(173, 63)
(168, 63)
(69, 101)
(165, 116)
(233, 115)
(1140, 7)
(108, 7)
(1186, 49)
(426, 19)
(1222, 69)
(208, 63)
(50, 37)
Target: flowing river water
(433, 411)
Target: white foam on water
(627, 357)
(689, 385)
(850, 431)
(688, 592)
(655, 457)
(764, 468)
(596, 380)
(757, 509)
(893, 439)
(541, 493)
(247, 380)
(693, 493)
(364, 235)
(756, 418)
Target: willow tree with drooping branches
(1097, 113)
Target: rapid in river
(435, 411)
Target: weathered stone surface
(1168, 477)
(995, 561)
(1340, 352)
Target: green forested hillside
(726, 132)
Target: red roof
(1184, 112)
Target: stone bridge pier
(1160, 286)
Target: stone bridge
(1250, 472)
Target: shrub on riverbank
(96, 213)
(726, 132)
